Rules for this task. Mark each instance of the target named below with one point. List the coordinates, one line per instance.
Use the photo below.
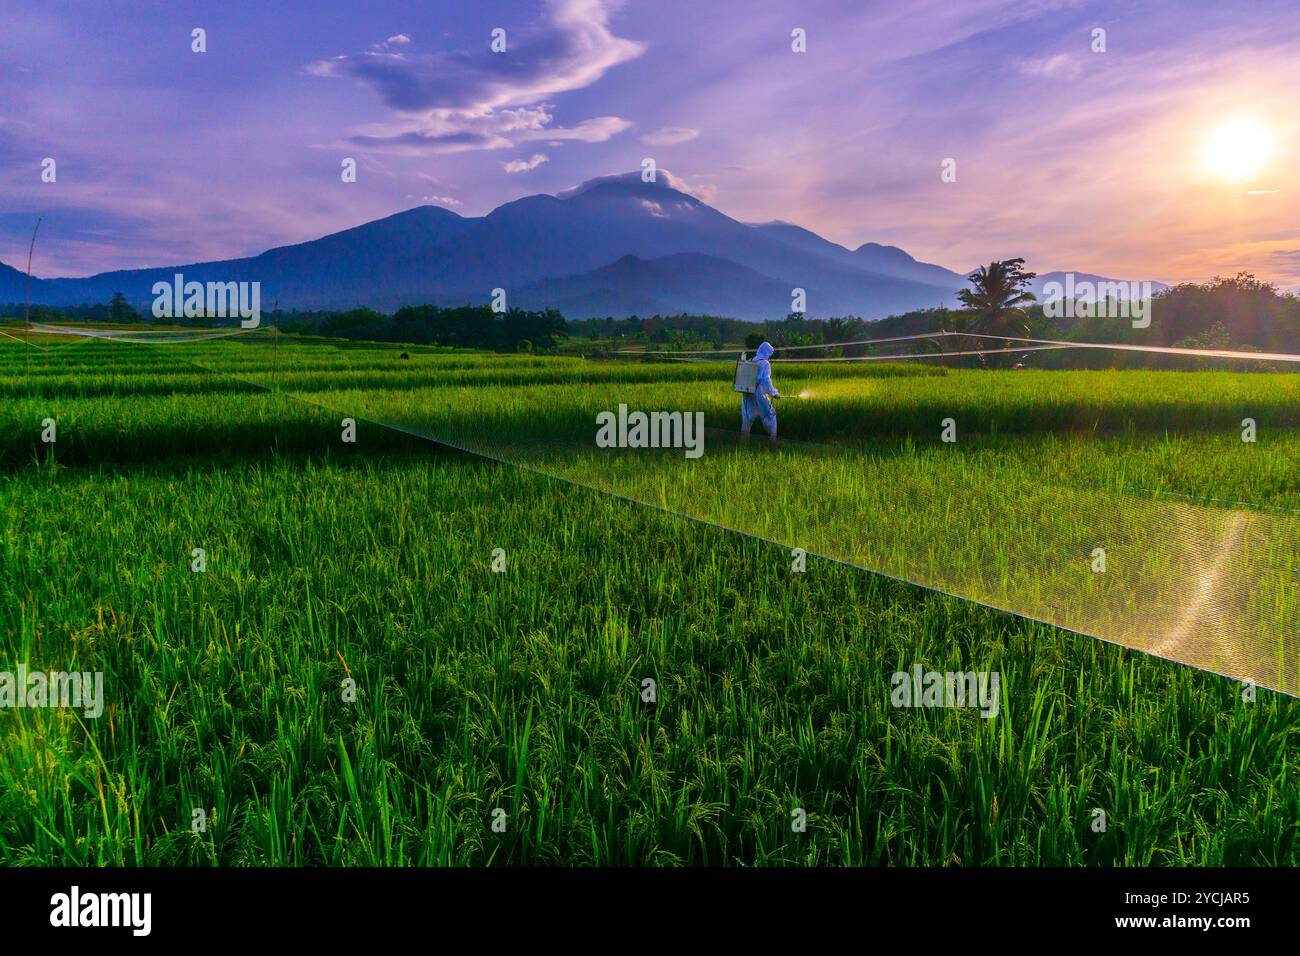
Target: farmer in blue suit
(759, 405)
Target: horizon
(1150, 132)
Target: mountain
(805, 240)
(612, 246)
(355, 267)
(892, 260)
(13, 285)
(542, 237)
(551, 249)
(670, 285)
(870, 257)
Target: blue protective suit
(759, 405)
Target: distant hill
(612, 246)
(894, 261)
(13, 284)
(869, 257)
(432, 255)
(687, 282)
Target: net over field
(1021, 513)
(1210, 584)
(1206, 585)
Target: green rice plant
(522, 690)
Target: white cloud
(525, 165)
(705, 192)
(400, 39)
(663, 179)
(670, 136)
(440, 200)
(475, 99)
(595, 130)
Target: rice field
(517, 697)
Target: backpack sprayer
(746, 375)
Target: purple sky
(1073, 159)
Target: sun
(1238, 150)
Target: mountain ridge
(566, 251)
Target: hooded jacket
(760, 402)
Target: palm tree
(995, 306)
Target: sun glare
(1237, 150)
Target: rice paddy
(523, 691)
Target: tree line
(1238, 313)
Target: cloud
(663, 179)
(478, 99)
(1061, 66)
(595, 130)
(670, 136)
(705, 192)
(496, 131)
(440, 200)
(500, 130)
(401, 39)
(525, 165)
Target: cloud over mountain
(525, 165)
(663, 180)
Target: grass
(522, 690)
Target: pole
(275, 348)
(27, 309)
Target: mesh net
(1205, 583)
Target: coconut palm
(995, 304)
